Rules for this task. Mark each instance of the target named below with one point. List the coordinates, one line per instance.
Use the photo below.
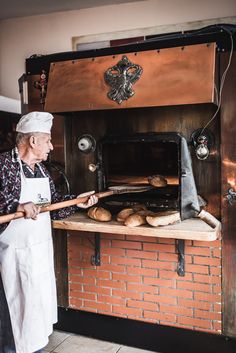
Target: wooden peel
(140, 180)
(122, 189)
(209, 219)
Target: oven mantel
(170, 76)
(190, 229)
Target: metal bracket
(180, 244)
(96, 259)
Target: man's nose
(51, 146)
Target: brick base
(137, 279)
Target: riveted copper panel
(171, 76)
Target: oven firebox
(132, 159)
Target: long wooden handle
(209, 219)
(55, 206)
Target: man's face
(42, 146)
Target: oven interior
(130, 160)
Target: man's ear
(32, 141)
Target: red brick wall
(137, 279)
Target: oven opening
(133, 160)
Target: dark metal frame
(146, 336)
(96, 258)
(180, 247)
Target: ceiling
(23, 8)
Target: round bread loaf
(157, 181)
(135, 220)
(99, 214)
(163, 218)
(123, 214)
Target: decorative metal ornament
(202, 150)
(120, 78)
(231, 196)
(202, 143)
(42, 86)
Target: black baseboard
(153, 337)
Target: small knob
(92, 167)
(86, 144)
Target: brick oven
(118, 124)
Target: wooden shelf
(193, 229)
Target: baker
(28, 305)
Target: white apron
(27, 270)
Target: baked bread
(163, 218)
(157, 181)
(99, 214)
(135, 220)
(123, 214)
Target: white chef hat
(35, 122)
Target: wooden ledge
(192, 229)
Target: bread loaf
(163, 218)
(123, 214)
(135, 220)
(99, 214)
(157, 181)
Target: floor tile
(81, 344)
(55, 339)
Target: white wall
(46, 34)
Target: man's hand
(30, 210)
(92, 200)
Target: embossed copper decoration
(120, 78)
(231, 196)
(42, 86)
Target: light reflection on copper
(231, 174)
(231, 182)
(229, 163)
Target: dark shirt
(10, 186)
(29, 173)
